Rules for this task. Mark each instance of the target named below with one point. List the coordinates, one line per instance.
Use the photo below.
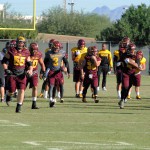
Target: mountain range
(114, 14)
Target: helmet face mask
(13, 43)
(122, 47)
(92, 51)
(56, 46)
(33, 48)
(131, 49)
(126, 39)
(20, 42)
(81, 44)
(139, 54)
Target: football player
(45, 87)
(89, 67)
(53, 60)
(36, 58)
(77, 52)
(2, 76)
(128, 70)
(141, 60)
(14, 63)
(117, 66)
(105, 66)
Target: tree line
(135, 23)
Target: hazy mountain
(114, 14)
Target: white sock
(119, 94)
(50, 99)
(80, 92)
(45, 94)
(34, 98)
(58, 94)
(98, 88)
(137, 93)
(129, 93)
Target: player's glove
(44, 76)
(8, 72)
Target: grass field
(74, 125)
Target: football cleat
(2, 100)
(34, 105)
(61, 100)
(104, 88)
(84, 100)
(77, 95)
(51, 104)
(80, 95)
(128, 97)
(138, 97)
(18, 108)
(96, 101)
(121, 104)
(8, 99)
(40, 95)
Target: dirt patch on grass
(62, 38)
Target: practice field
(74, 125)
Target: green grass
(74, 125)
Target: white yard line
(7, 123)
(117, 122)
(104, 144)
(80, 132)
(32, 143)
(22, 124)
(54, 149)
(99, 144)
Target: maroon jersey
(91, 77)
(35, 60)
(17, 61)
(90, 68)
(127, 68)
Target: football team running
(19, 68)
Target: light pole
(71, 4)
(2, 11)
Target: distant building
(30, 18)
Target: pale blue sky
(25, 7)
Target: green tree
(134, 23)
(57, 21)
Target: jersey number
(35, 63)
(55, 61)
(19, 61)
(90, 66)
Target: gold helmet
(20, 40)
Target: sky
(26, 6)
